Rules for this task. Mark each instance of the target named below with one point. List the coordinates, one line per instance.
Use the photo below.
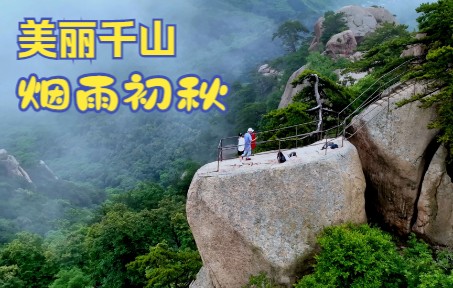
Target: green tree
(73, 278)
(355, 256)
(360, 256)
(290, 33)
(326, 65)
(117, 239)
(334, 23)
(9, 278)
(145, 195)
(261, 280)
(294, 114)
(27, 253)
(123, 234)
(383, 49)
(422, 270)
(335, 97)
(164, 266)
(67, 247)
(384, 33)
(436, 67)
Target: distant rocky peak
(9, 166)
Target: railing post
(338, 125)
(296, 137)
(218, 158)
(221, 149)
(344, 131)
(326, 146)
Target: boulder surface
(265, 216)
(435, 205)
(393, 151)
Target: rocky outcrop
(435, 205)
(415, 50)
(381, 15)
(349, 78)
(268, 71)
(46, 171)
(9, 166)
(359, 20)
(393, 152)
(318, 29)
(265, 216)
(203, 279)
(341, 45)
(290, 90)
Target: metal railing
(343, 122)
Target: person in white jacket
(241, 144)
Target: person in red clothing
(253, 134)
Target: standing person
(247, 145)
(241, 144)
(253, 140)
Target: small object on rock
(280, 157)
(329, 144)
(292, 154)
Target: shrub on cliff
(360, 256)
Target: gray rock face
(342, 44)
(203, 280)
(268, 71)
(416, 49)
(318, 32)
(392, 147)
(349, 78)
(265, 216)
(290, 91)
(359, 20)
(381, 15)
(10, 166)
(435, 204)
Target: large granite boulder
(393, 145)
(342, 44)
(359, 20)
(382, 15)
(265, 216)
(435, 204)
(290, 90)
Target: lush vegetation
(333, 23)
(433, 66)
(138, 238)
(290, 33)
(436, 66)
(360, 256)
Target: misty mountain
(226, 38)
